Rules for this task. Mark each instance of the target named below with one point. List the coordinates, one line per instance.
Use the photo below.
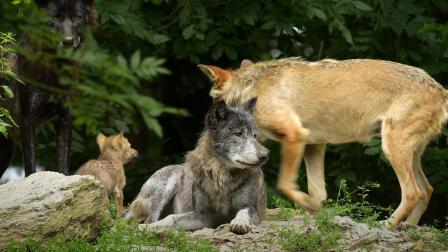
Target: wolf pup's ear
(120, 137)
(218, 112)
(250, 105)
(100, 140)
(246, 62)
(217, 75)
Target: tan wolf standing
(115, 151)
(306, 105)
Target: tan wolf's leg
(288, 128)
(118, 199)
(399, 145)
(314, 162)
(424, 186)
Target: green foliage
(6, 42)
(357, 205)
(327, 236)
(187, 32)
(122, 237)
(323, 238)
(287, 210)
(177, 240)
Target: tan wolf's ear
(246, 62)
(216, 74)
(100, 140)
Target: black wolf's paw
(239, 226)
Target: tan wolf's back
(339, 101)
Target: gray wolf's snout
(263, 156)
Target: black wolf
(220, 182)
(37, 105)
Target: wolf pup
(220, 182)
(306, 105)
(37, 105)
(115, 152)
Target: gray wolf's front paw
(240, 226)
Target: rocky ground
(64, 213)
(300, 232)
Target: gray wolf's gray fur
(220, 182)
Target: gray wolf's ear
(218, 112)
(246, 62)
(250, 105)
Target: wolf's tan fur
(306, 105)
(115, 151)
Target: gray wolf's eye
(238, 133)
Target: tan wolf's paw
(239, 226)
(406, 225)
(388, 224)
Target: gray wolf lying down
(220, 182)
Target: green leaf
(269, 25)
(152, 124)
(372, 151)
(212, 38)
(188, 32)
(217, 52)
(7, 91)
(230, 52)
(318, 13)
(135, 59)
(345, 33)
(104, 18)
(362, 6)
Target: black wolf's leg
(28, 143)
(63, 126)
(6, 152)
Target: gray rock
(49, 203)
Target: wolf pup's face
(116, 147)
(234, 135)
(68, 18)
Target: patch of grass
(355, 205)
(122, 237)
(435, 238)
(178, 241)
(323, 238)
(287, 209)
(111, 208)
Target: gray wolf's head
(234, 135)
(69, 17)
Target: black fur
(38, 105)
